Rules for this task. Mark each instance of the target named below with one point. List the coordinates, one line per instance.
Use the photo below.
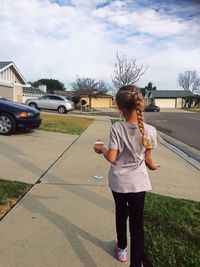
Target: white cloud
(46, 39)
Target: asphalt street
(183, 126)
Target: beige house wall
(11, 93)
(179, 102)
(10, 85)
(18, 94)
(105, 102)
(9, 75)
(7, 92)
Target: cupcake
(98, 144)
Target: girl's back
(129, 148)
(128, 173)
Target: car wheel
(62, 110)
(33, 105)
(7, 124)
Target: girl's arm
(148, 160)
(110, 154)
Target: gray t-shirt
(129, 172)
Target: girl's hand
(98, 146)
(98, 150)
(154, 166)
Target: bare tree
(89, 87)
(126, 71)
(189, 81)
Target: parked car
(51, 102)
(152, 108)
(14, 116)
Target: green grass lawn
(10, 192)
(172, 232)
(193, 109)
(64, 124)
(84, 112)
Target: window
(52, 97)
(44, 97)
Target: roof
(74, 93)
(32, 90)
(168, 93)
(3, 64)
(65, 93)
(7, 64)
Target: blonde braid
(140, 117)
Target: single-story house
(167, 98)
(11, 81)
(98, 101)
(67, 94)
(31, 92)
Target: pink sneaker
(121, 254)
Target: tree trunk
(90, 102)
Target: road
(182, 126)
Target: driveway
(26, 156)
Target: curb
(188, 153)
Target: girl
(128, 176)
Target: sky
(61, 39)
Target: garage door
(166, 103)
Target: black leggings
(132, 205)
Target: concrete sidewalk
(25, 157)
(68, 219)
(80, 163)
(176, 177)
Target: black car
(14, 116)
(152, 108)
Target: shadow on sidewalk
(17, 156)
(71, 231)
(80, 190)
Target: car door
(43, 102)
(55, 102)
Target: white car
(51, 102)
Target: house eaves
(7, 64)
